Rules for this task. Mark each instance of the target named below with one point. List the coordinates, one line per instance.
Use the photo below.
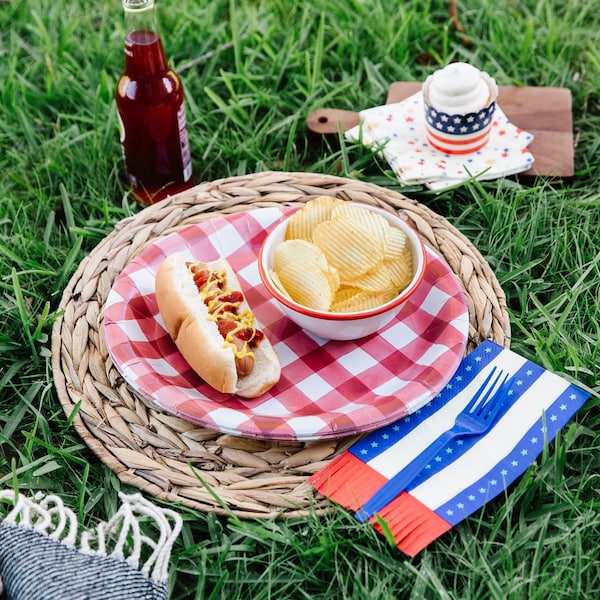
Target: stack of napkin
(398, 131)
(468, 472)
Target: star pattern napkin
(468, 472)
(399, 130)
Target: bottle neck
(144, 53)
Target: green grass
(252, 71)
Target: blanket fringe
(120, 537)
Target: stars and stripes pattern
(399, 131)
(468, 472)
(458, 134)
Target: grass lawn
(252, 71)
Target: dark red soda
(150, 104)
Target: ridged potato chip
(278, 284)
(303, 222)
(344, 297)
(361, 300)
(340, 257)
(378, 226)
(395, 243)
(333, 277)
(298, 249)
(348, 246)
(344, 292)
(401, 269)
(376, 280)
(307, 284)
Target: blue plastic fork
(475, 419)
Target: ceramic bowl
(342, 326)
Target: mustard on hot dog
(212, 325)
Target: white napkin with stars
(399, 129)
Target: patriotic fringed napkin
(399, 129)
(469, 472)
(44, 555)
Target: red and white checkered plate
(327, 389)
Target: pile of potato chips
(341, 257)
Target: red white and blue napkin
(469, 472)
(399, 130)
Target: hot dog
(213, 327)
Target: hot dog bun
(198, 338)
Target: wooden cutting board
(545, 112)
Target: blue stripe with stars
(525, 377)
(516, 463)
(381, 440)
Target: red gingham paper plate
(327, 389)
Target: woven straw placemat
(175, 460)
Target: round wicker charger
(178, 461)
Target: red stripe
(413, 525)
(348, 481)
(436, 135)
(451, 150)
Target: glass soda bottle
(151, 109)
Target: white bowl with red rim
(350, 325)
